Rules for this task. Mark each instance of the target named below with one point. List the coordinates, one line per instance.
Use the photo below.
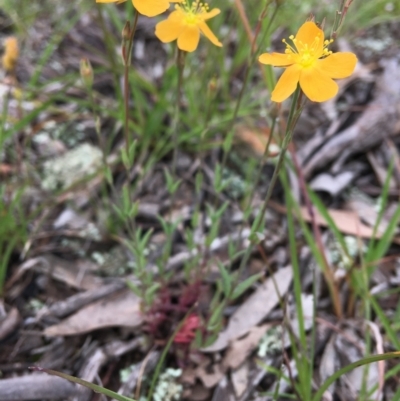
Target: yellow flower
(149, 8)
(185, 25)
(11, 53)
(309, 62)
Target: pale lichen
(168, 389)
(73, 166)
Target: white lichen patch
(73, 166)
(114, 262)
(168, 388)
(345, 258)
(271, 342)
(376, 45)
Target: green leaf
(226, 280)
(210, 340)
(149, 294)
(216, 317)
(134, 288)
(172, 184)
(244, 285)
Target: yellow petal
(209, 34)
(151, 8)
(275, 59)
(338, 65)
(307, 34)
(170, 29)
(287, 84)
(317, 86)
(210, 14)
(189, 38)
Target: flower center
(306, 54)
(192, 11)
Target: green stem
(127, 56)
(265, 157)
(253, 57)
(294, 112)
(110, 53)
(180, 60)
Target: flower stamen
(305, 54)
(192, 11)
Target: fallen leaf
(333, 185)
(9, 323)
(329, 363)
(211, 375)
(347, 222)
(5, 169)
(197, 393)
(254, 309)
(253, 140)
(76, 274)
(239, 349)
(240, 379)
(122, 309)
(224, 391)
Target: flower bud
(126, 32)
(86, 71)
(212, 85)
(11, 53)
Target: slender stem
(265, 157)
(294, 113)
(180, 60)
(110, 53)
(330, 280)
(127, 56)
(253, 55)
(128, 34)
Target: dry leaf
(6, 169)
(239, 349)
(329, 363)
(347, 222)
(253, 140)
(73, 273)
(333, 185)
(9, 323)
(254, 309)
(122, 309)
(211, 375)
(240, 379)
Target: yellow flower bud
(86, 71)
(11, 53)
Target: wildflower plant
(310, 68)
